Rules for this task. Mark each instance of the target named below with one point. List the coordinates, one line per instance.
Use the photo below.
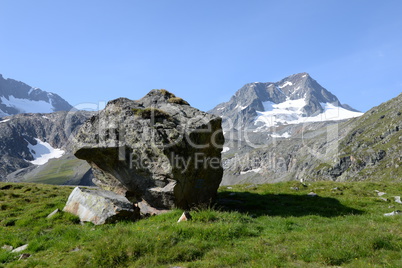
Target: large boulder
(100, 206)
(158, 149)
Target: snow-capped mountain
(293, 100)
(17, 97)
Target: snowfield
(256, 170)
(290, 112)
(27, 106)
(43, 152)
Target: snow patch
(304, 75)
(256, 170)
(240, 107)
(287, 83)
(285, 135)
(5, 121)
(282, 113)
(225, 149)
(32, 90)
(27, 106)
(290, 112)
(42, 152)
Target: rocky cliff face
(157, 150)
(372, 148)
(17, 97)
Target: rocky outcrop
(158, 149)
(100, 206)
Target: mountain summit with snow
(17, 97)
(293, 100)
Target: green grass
(270, 225)
(58, 171)
(149, 113)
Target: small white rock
(398, 199)
(19, 249)
(185, 216)
(312, 194)
(53, 213)
(393, 213)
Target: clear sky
(202, 50)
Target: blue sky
(203, 51)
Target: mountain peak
(17, 97)
(289, 101)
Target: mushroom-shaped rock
(158, 149)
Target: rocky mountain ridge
(295, 99)
(363, 148)
(17, 97)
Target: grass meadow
(270, 225)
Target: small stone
(312, 194)
(398, 199)
(24, 256)
(185, 216)
(381, 193)
(294, 188)
(75, 249)
(393, 213)
(232, 194)
(384, 199)
(147, 210)
(53, 213)
(19, 249)
(7, 247)
(229, 188)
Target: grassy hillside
(371, 150)
(273, 225)
(61, 171)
